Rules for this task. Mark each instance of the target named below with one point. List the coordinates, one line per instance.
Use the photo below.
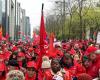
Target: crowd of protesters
(67, 60)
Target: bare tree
(81, 6)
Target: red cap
(30, 49)
(2, 67)
(14, 48)
(64, 45)
(59, 53)
(72, 51)
(91, 49)
(21, 54)
(31, 64)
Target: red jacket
(2, 78)
(76, 70)
(93, 70)
(41, 73)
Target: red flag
(51, 51)
(42, 39)
(42, 33)
(51, 42)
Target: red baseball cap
(90, 49)
(30, 49)
(31, 64)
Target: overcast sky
(33, 9)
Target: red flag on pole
(51, 51)
(51, 41)
(42, 33)
(42, 39)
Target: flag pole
(42, 34)
(42, 6)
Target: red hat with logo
(14, 48)
(90, 49)
(31, 64)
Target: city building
(0, 12)
(18, 21)
(27, 27)
(22, 23)
(3, 3)
(8, 17)
(7, 13)
(13, 19)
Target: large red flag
(42, 40)
(51, 51)
(51, 42)
(42, 33)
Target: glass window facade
(0, 11)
